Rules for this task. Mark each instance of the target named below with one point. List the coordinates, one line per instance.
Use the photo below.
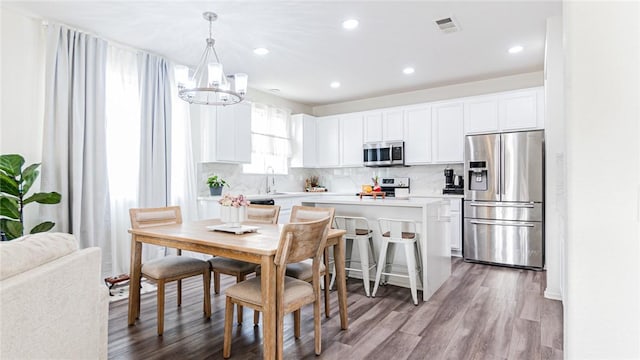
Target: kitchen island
(432, 218)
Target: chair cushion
(225, 265)
(363, 232)
(405, 235)
(302, 270)
(173, 265)
(250, 290)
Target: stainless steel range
(389, 185)
(504, 199)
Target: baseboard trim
(553, 294)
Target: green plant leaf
(29, 176)
(42, 227)
(9, 208)
(12, 228)
(43, 198)
(11, 164)
(9, 185)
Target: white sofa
(52, 303)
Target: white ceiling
(309, 49)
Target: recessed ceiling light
(261, 51)
(408, 70)
(350, 24)
(335, 85)
(515, 49)
(275, 90)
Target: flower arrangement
(234, 201)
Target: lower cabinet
(456, 227)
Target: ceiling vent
(447, 25)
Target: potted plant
(216, 184)
(15, 183)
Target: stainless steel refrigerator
(504, 199)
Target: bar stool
(359, 233)
(396, 231)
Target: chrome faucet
(271, 188)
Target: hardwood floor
(481, 312)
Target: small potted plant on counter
(216, 184)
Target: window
(270, 142)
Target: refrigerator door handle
(530, 205)
(517, 224)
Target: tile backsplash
(424, 179)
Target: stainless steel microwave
(383, 153)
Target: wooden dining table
(255, 247)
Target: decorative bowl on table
(233, 210)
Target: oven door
(376, 155)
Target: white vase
(233, 216)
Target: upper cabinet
(384, 125)
(392, 125)
(303, 131)
(448, 134)
(226, 135)
(351, 140)
(328, 141)
(508, 111)
(520, 110)
(417, 135)
(373, 126)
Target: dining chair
(266, 214)
(298, 241)
(172, 267)
(302, 269)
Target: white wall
(22, 92)
(22, 84)
(602, 92)
(555, 194)
(505, 83)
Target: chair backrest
(267, 214)
(397, 227)
(310, 213)
(352, 224)
(303, 240)
(146, 217)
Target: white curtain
(123, 150)
(74, 148)
(154, 188)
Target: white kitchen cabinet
(328, 141)
(456, 226)
(226, 134)
(481, 115)
(522, 110)
(448, 134)
(303, 131)
(503, 112)
(384, 125)
(417, 135)
(373, 126)
(392, 125)
(351, 139)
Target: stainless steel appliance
(383, 153)
(504, 199)
(389, 185)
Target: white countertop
(349, 195)
(369, 201)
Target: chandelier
(209, 85)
